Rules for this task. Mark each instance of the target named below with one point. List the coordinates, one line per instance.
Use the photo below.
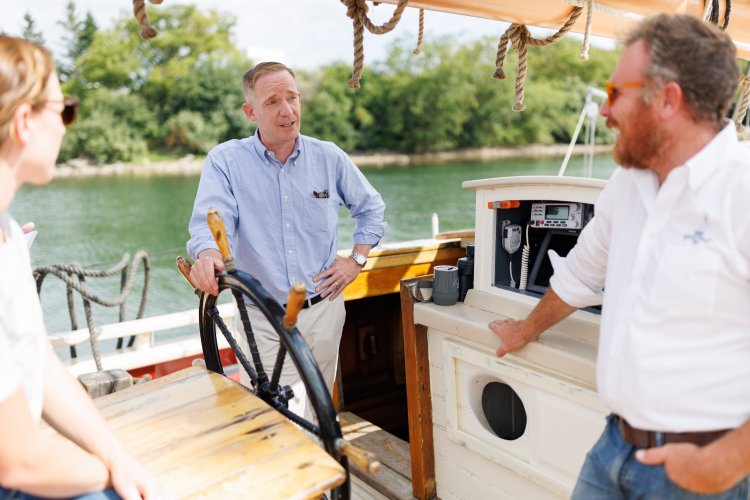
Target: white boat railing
(146, 350)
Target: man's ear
(673, 99)
(249, 112)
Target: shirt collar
(266, 154)
(709, 159)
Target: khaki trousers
(320, 325)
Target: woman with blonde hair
(89, 461)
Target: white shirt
(674, 263)
(22, 331)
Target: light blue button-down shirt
(280, 225)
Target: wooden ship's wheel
(242, 286)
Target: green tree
(78, 34)
(188, 79)
(30, 31)
(327, 106)
(113, 126)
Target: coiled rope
(519, 37)
(74, 276)
(139, 10)
(357, 11)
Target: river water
(95, 221)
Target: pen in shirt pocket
(320, 194)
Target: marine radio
(557, 215)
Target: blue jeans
(108, 494)
(612, 471)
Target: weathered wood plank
(394, 478)
(207, 437)
(363, 491)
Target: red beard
(640, 141)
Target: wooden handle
(294, 301)
(219, 232)
(216, 225)
(184, 266)
(363, 459)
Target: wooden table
(206, 436)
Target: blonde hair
(264, 68)
(25, 68)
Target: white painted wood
(143, 326)
(554, 377)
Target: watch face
(359, 259)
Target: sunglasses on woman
(613, 90)
(69, 111)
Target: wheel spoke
(278, 367)
(250, 336)
(244, 362)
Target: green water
(94, 221)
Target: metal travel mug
(445, 285)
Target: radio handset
(512, 238)
(511, 244)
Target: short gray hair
(260, 69)
(699, 57)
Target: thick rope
(708, 7)
(357, 11)
(74, 277)
(420, 36)
(587, 34)
(520, 38)
(139, 10)
(741, 110)
(711, 12)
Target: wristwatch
(360, 259)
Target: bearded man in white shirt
(668, 257)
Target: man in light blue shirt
(279, 193)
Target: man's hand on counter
(511, 335)
(515, 334)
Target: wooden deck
(393, 481)
(207, 437)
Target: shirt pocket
(319, 214)
(686, 279)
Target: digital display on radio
(557, 215)
(557, 212)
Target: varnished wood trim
(418, 398)
(449, 235)
(386, 279)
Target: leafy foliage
(181, 91)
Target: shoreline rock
(191, 165)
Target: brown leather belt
(310, 302)
(648, 439)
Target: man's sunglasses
(69, 111)
(613, 90)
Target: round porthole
(503, 410)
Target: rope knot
(357, 11)
(139, 11)
(518, 36)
